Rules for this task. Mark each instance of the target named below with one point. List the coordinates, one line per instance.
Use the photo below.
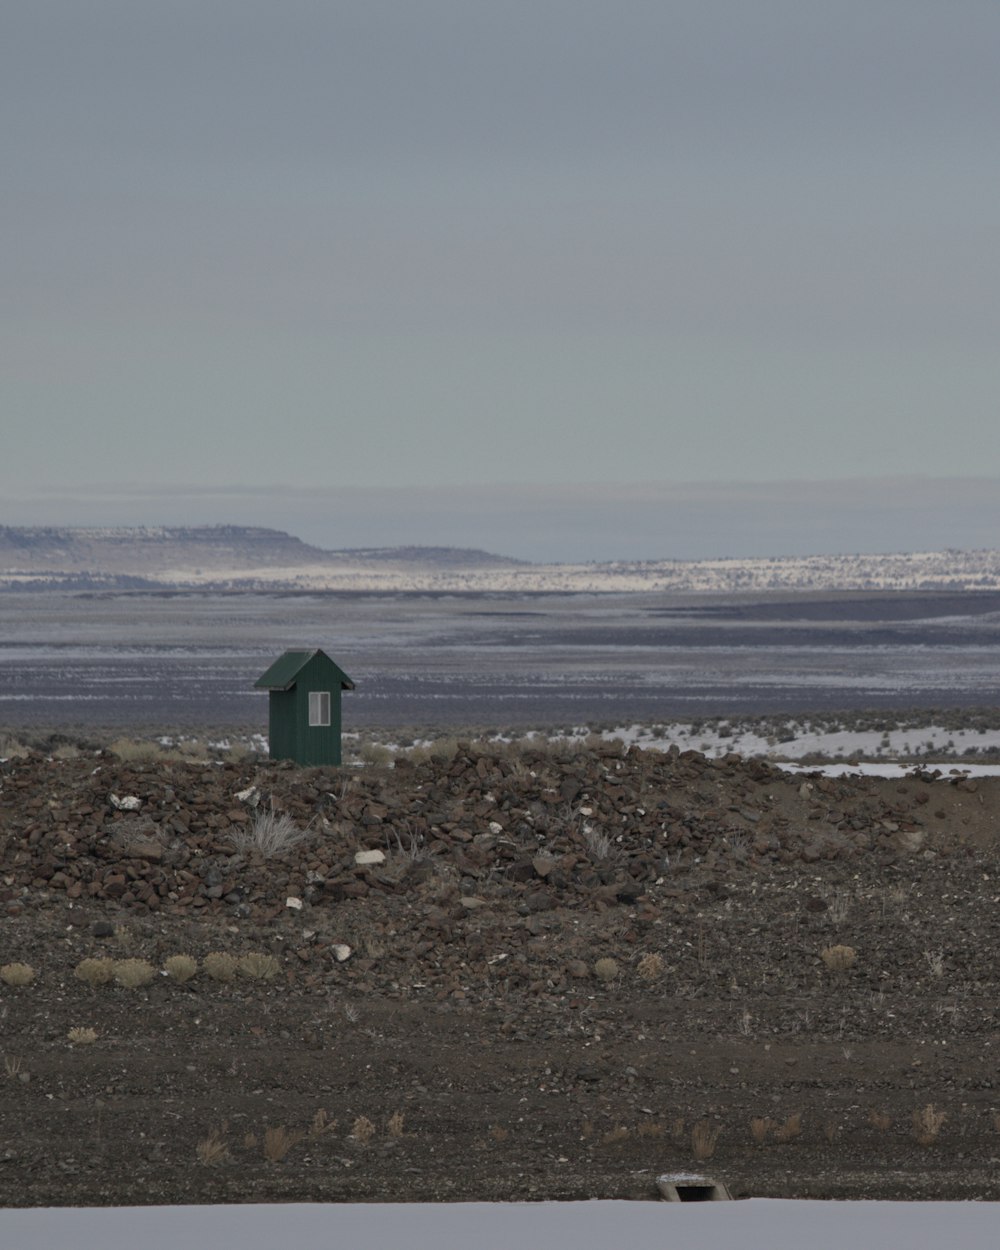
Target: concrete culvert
(681, 1187)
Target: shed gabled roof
(284, 672)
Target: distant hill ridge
(144, 550)
(243, 557)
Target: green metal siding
(283, 744)
(289, 682)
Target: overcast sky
(426, 270)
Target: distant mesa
(252, 558)
(137, 556)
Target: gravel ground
(549, 975)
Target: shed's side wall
(282, 723)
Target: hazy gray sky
(252, 249)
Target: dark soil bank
(563, 976)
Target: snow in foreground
(459, 1226)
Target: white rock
(495, 827)
(294, 903)
(370, 857)
(130, 803)
(342, 952)
(250, 796)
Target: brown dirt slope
(562, 975)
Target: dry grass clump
(363, 1130)
(839, 958)
(219, 965)
(760, 1126)
(17, 974)
(703, 1139)
(597, 843)
(131, 751)
(374, 754)
(82, 1036)
(321, 1124)
(606, 970)
(394, 1125)
(213, 1147)
(279, 1141)
(268, 834)
(12, 749)
(133, 973)
(650, 967)
(651, 1129)
(791, 1128)
(259, 966)
(615, 1136)
(927, 1124)
(881, 1121)
(180, 967)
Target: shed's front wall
(317, 744)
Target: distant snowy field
(881, 749)
(513, 662)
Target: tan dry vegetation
(321, 1124)
(927, 1124)
(134, 751)
(82, 1036)
(133, 973)
(651, 1130)
(95, 971)
(220, 966)
(839, 958)
(17, 975)
(362, 1130)
(213, 1147)
(881, 1121)
(258, 966)
(180, 968)
(791, 1128)
(606, 969)
(703, 1139)
(650, 967)
(760, 1126)
(12, 748)
(269, 834)
(278, 1141)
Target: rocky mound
(482, 839)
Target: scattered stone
(370, 857)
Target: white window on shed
(319, 707)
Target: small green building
(304, 707)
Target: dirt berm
(552, 976)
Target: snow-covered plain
(552, 1226)
(892, 752)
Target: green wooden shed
(304, 707)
